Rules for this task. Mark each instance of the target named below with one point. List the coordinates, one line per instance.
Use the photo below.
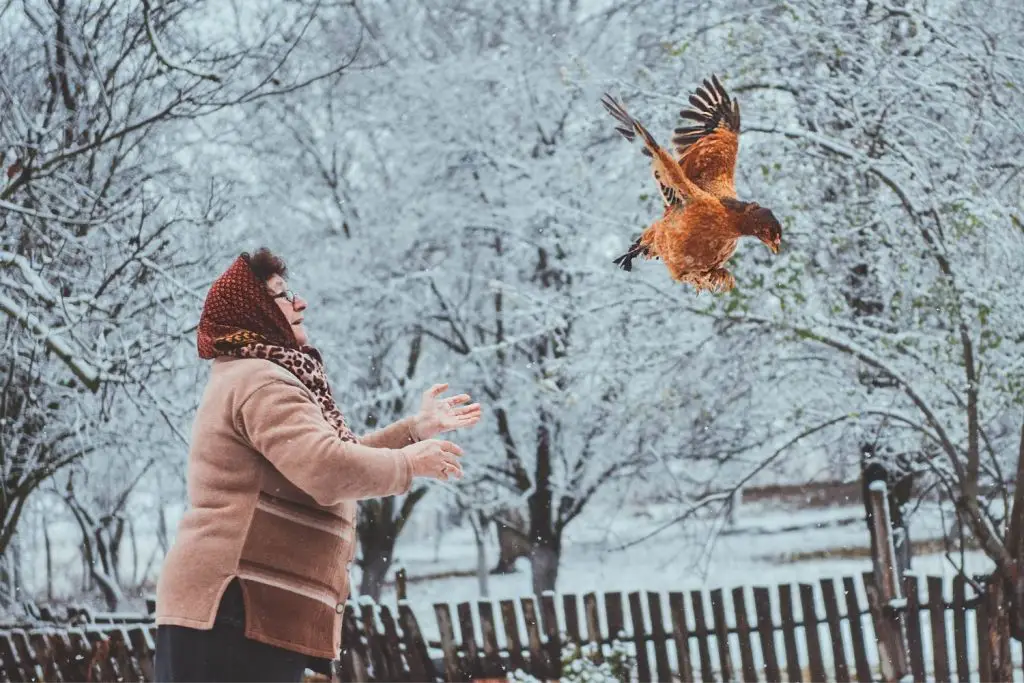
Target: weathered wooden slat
(421, 667)
(29, 667)
(681, 635)
(937, 617)
(374, 643)
(593, 624)
(828, 594)
(810, 622)
(572, 617)
(636, 612)
(854, 616)
(512, 637)
(45, 655)
(471, 665)
(538, 660)
(915, 644)
(398, 668)
(739, 602)
(120, 653)
(794, 671)
(452, 666)
(721, 634)
(355, 658)
(9, 658)
(659, 639)
(74, 656)
(700, 628)
(493, 666)
(981, 615)
(963, 669)
(766, 633)
(553, 639)
(142, 651)
(101, 666)
(614, 613)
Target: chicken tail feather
(626, 260)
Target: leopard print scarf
(240, 319)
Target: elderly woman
(255, 584)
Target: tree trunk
(375, 565)
(1015, 547)
(480, 525)
(513, 541)
(544, 559)
(48, 548)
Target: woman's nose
(299, 304)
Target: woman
(255, 583)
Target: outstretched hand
(437, 415)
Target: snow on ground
(597, 555)
(755, 551)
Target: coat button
(339, 608)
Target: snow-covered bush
(580, 664)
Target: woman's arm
(287, 427)
(396, 435)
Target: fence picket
(721, 633)
(470, 652)
(794, 672)
(10, 660)
(643, 665)
(828, 594)
(854, 617)
(658, 636)
(549, 620)
(492, 664)
(538, 662)
(810, 623)
(681, 634)
(421, 667)
(915, 646)
(937, 617)
(512, 637)
(766, 631)
(700, 629)
(452, 668)
(613, 611)
(963, 670)
(593, 624)
(572, 618)
(739, 604)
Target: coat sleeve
(395, 435)
(285, 425)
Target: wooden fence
(804, 632)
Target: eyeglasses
(288, 295)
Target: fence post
(885, 594)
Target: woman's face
(277, 286)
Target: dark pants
(223, 653)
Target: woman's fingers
(448, 447)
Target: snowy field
(597, 555)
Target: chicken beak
(774, 246)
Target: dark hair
(264, 264)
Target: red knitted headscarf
(241, 319)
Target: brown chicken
(703, 219)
